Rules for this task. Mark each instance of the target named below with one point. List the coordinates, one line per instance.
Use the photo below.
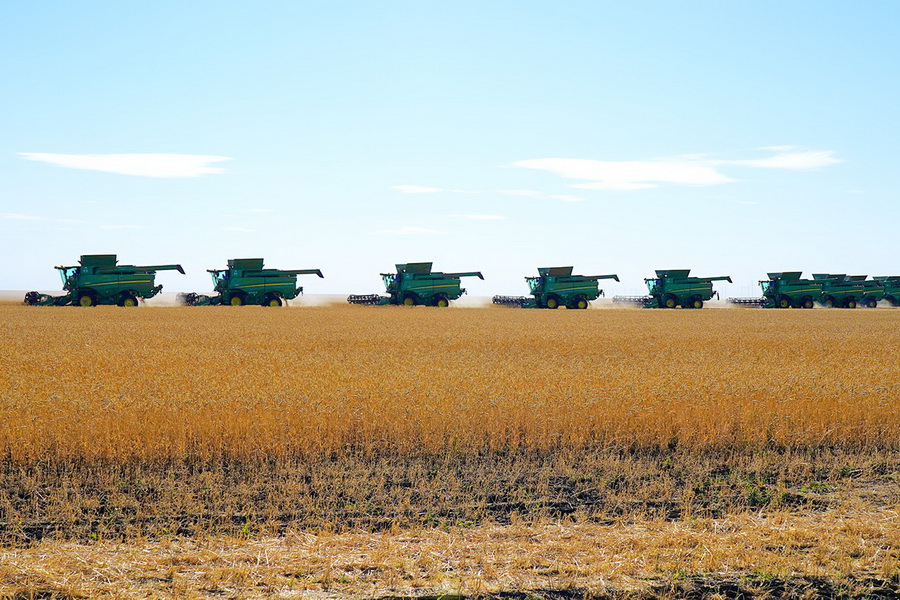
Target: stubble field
(338, 450)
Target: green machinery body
(555, 287)
(789, 290)
(414, 284)
(672, 288)
(872, 290)
(890, 286)
(99, 279)
(839, 291)
(246, 281)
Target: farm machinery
(785, 290)
(839, 290)
(789, 290)
(99, 279)
(675, 287)
(555, 287)
(416, 283)
(246, 281)
(891, 288)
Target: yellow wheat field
(163, 383)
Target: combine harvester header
(675, 287)
(99, 279)
(246, 281)
(555, 287)
(416, 283)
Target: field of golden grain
(139, 431)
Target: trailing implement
(246, 281)
(416, 283)
(673, 288)
(555, 287)
(99, 279)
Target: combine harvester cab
(672, 288)
(555, 287)
(99, 279)
(416, 284)
(838, 291)
(246, 281)
(890, 286)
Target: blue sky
(727, 137)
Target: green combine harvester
(785, 290)
(890, 284)
(99, 279)
(838, 291)
(872, 290)
(673, 288)
(555, 287)
(414, 284)
(246, 281)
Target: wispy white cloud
(482, 217)
(416, 189)
(524, 193)
(412, 231)
(111, 227)
(21, 217)
(786, 158)
(628, 175)
(690, 170)
(142, 165)
(566, 198)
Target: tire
(784, 302)
(581, 303)
(86, 299)
(806, 302)
(828, 302)
(552, 302)
(441, 302)
(409, 300)
(850, 303)
(870, 303)
(670, 302)
(273, 301)
(697, 303)
(129, 300)
(236, 300)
